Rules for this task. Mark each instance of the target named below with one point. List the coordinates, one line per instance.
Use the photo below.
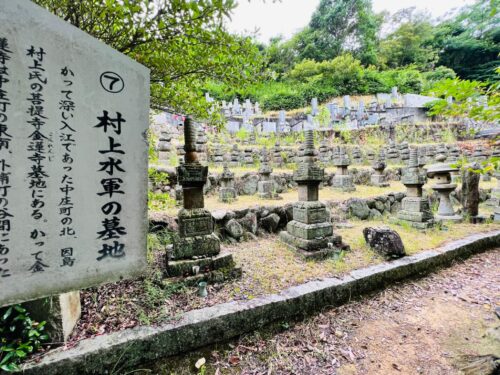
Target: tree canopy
(183, 42)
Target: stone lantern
(441, 173)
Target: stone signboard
(73, 157)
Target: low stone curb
(198, 328)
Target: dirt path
(421, 327)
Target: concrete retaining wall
(222, 322)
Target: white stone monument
(73, 157)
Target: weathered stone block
(310, 212)
(312, 244)
(415, 204)
(188, 267)
(309, 231)
(196, 222)
(227, 194)
(206, 245)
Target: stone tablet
(73, 157)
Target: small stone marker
(73, 157)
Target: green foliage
(183, 42)
(157, 177)
(152, 154)
(410, 43)
(339, 26)
(160, 201)
(19, 336)
(470, 99)
(242, 134)
(470, 42)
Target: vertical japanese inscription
(67, 142)
(5, 169)
(111, 192)
(38, 144)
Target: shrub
(19, 336)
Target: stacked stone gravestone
(277, 158)
(441, 150)
(479, 155)
(404, 152)
(196, 249)
(180, 151)
(357, 156)
(324, 152)
(378, 177)
(201, 145)
(430, 153)
(227, 192)
(392, 153)
(311, 231)
(164, 145)
(453, 153)
(235, 156)
(217, 151)
(265, 186)
(342, 180)
(370, 155)
(443, 185)
(248, 156)
(415, 208)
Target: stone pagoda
(324, 152)
(441, 173)
(265, 186)
(342, 180)
(277, 158)
(164, 145)
(196, 250)
(378, 177)
(357, 155)
(217, 152)
(311, 231)
(235, 156)
(415, 208)
(392, 153)
(227, 192)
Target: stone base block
(314, 249)
(269, 195)
(194, 267)
(343, 183)
(195, 222)
(309, 231)
(452, 218)
(416, 204)
(227, 195)
(419, 217)
(415, 224)
(378, 180)
(61, 313)
(310, 212)
(188, 247)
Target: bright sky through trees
(289, 16)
